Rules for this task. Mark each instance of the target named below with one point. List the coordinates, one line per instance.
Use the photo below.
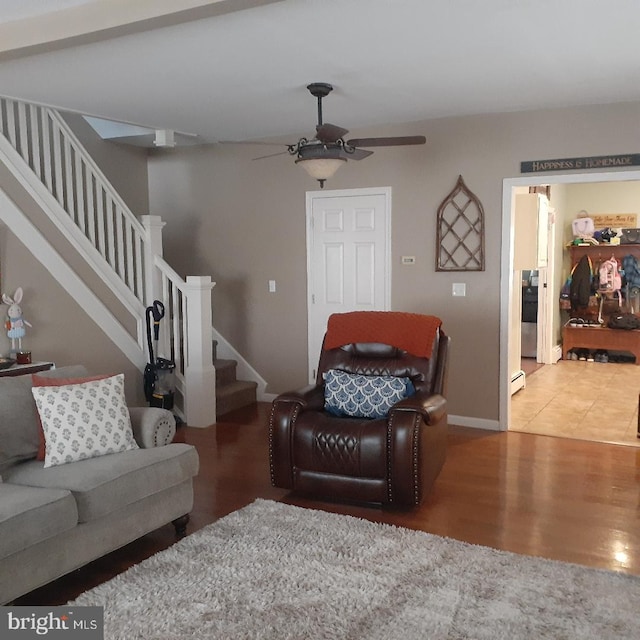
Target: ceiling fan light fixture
(322, 155)
(321, 168)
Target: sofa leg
(181, 525)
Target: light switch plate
(459, 289)
(272, 286)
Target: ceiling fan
(324, 154)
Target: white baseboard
(475, 423)
(556, 353)
(518, 381)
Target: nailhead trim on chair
(296, 411)
(416, 458)
(389, 457)
(273, 405)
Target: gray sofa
(54, 520)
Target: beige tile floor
(584, 400)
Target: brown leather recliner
(392, 460)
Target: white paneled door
(348, 255)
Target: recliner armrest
(284, 411)
(152, 426)
(432, 407)
(310, 397)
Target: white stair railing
(55, 155)
(191, 350)
(49, 160)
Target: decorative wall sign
(573, 164)
(460, 235)
(614, 220)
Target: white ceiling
(242, 75)
(18, 9)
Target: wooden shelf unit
(25, 369)
(600, 252)
(596, 337)
(592, 337)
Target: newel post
(199, 372)
(152, 247)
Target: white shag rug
(273, 570)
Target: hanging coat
(581, 284)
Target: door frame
(546, 303)
(506, 261)
(342, 193)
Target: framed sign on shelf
(614, 220)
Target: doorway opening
(531, 315)
(509, 288)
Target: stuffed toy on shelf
(15, 323)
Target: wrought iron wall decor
(460, 236)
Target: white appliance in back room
(529, 331)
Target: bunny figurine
(15, 322)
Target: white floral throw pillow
(84, 420)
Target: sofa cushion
(19, 418)
(51, 381)
(30, 515)
(84, 420)
(18, 421)
(105, 484)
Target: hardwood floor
(538, 495)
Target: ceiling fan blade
(271, 155)
(386, 142)
(254, 142)
(330, 132)
(358, 154)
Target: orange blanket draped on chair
(412, 332)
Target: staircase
(231, 393)
(54, 168)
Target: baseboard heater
(517, 381)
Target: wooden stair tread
(225, 372)
(221, 363)
(231, 393)
(235, 395)
(232, 387)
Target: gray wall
(62, 332)
(243, 223)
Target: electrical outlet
(272, 286)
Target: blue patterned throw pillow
(360, 396)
